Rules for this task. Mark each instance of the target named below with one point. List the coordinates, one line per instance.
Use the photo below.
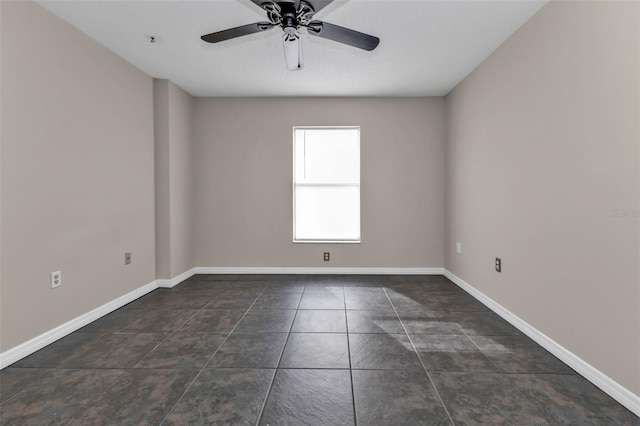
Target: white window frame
(359, 185)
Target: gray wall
(162, 138)
(243, 181)
(173, 125)
(77, 173)
(542, 141)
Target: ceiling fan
(291, 15)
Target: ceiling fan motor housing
(289, 17)
(285, 14)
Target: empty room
(320, 212)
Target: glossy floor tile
(14, 380)
(213, 321)
(89, 350)
(571, 399)
(316, 350)
(396, 398)
(412, 301)
(432, 322)
(155, 300)
(250, 350)
(267, 320)
(233, 300)
(450, 353)
(278, 300)
(183, 350)
(223, 396)
(301, 350)
(519, 354)
(322, 300)
(485, 399)
(483, 324)
(383, 352)
(320, 321)
(161, 320)
(310, 397)
(55, 398)
(367, 300)
(138, 397)
(366, 321)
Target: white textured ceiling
(426, 47)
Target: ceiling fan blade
(292, 50)
(343, 35)
(236, 32)
(259, 2)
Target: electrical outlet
(127, 258)
(326, 256)
(56, 279)
(459, 248)
(498, 264)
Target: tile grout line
(273, 379)
(353, 391)
(433, 385)
(208, 360)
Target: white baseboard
(315, 270)
(614, 389)
(176, 280)
(27, 348)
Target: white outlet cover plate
(459, 248)
(56, 279)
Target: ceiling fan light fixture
(292, 49)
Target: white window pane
(327, 213)
(298, 155)
(329, 156)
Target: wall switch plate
(127, 258)
(459, 248)
(498, 264)
(326, 256)
(56, 279)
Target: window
(326, 184)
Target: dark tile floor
(301, 350)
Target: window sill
(326, 242)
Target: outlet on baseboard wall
(459, 248)
(498, 264)
(327, 256)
